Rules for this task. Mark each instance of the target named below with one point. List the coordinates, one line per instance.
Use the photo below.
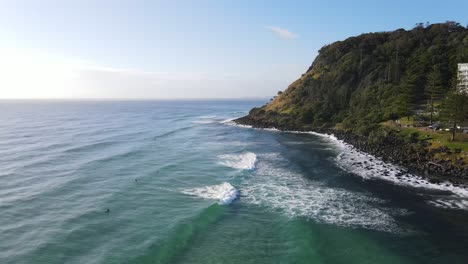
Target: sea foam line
(369, 166)
(289, 192)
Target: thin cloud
(282, 33)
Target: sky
(136, 49)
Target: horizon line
(134, 99)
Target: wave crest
(225, 193)
(370, 167)
(243, 161)
(296, 196)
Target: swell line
(182, 236)
(172, 132)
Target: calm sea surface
(176, 182)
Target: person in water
(107, 210)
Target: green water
(169, 172)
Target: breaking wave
(225, 193)
(205, 120)
(243, 161)
(289, 192)
(370, 167)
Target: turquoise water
(183, 185)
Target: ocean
(178, 182)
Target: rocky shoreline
(391, 148)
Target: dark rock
(415, 160)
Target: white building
(463, 77)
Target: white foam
(203, 121)
(370, 167)
(280, 189)
(451, 203)
(225, 193)
(229, 121)
(243, 161)
(207, 117)
(272, 129)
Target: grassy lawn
(437, 139)
(407, 121)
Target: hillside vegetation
(365, 80)
(384, 92)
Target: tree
(454, 110)
(404, 103)
(434, 89)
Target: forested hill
(364, 80)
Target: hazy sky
(183, 49)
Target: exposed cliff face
(355, 84)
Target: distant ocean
(178, 182)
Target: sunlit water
(174, 182)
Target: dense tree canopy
(374, 77)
